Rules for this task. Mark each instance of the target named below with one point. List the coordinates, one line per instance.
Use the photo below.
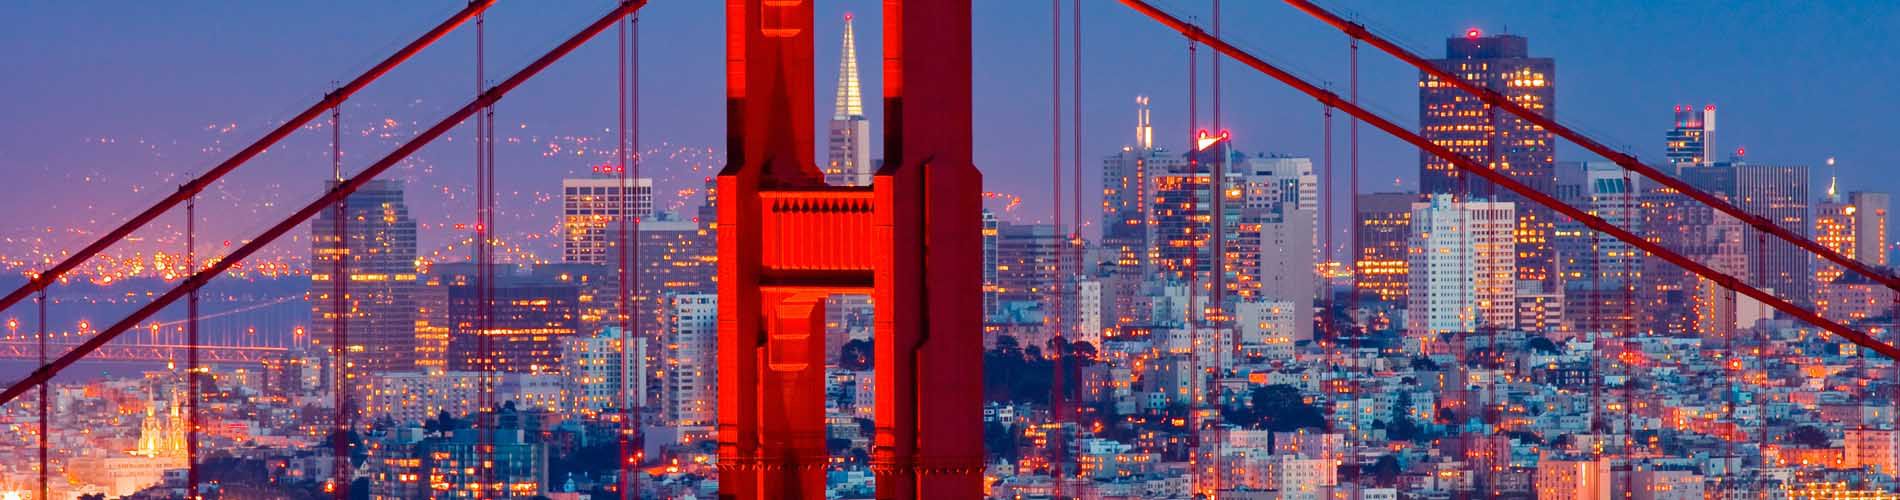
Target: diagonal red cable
(197, 185)
(342, 190)
(1467, 164)
(1359, 31)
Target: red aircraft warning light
(1473, 33)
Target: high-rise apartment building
(1692, 141)
(1515, 147)
(689, 389)
(849, 146)
(377, 247)
(1461, 266)
(1382, 229)
(1274, 233)
(594, 364)
(1286, 266)
(590, 207)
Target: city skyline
(177, 142)
(1711, 325)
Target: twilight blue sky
(107, 103)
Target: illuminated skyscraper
(1451, 118)
(531, 320)
(1460, 262)
(593, 365)
(592, 206)
(849, 161)
(1692, 141)
(378, 248)
(1383, 226)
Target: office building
(590, 207)
(377, 248)
(526, 328)
(1461, 267)
(849, 140)
(1780, 194)
(1382, 229)
(1467, 126)
(1026, 270)
(463, 463)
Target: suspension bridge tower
(911, 240)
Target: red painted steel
(624, 261)
(1496, 100)
(43, 401)
(786, 241)
(1469, 165)
(197, 185)
(193, 422)
(46, 371)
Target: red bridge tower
(912, 241)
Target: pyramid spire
(850, 100)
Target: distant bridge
(248, 355)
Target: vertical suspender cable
(340, 310)
(44, 401)
(485, 417)
(1057, 343)
(1218, 190)
(620, 259)
(1192, 263)
(1629, 330)
(192, 417)
(632, 127)
(1352, 258)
